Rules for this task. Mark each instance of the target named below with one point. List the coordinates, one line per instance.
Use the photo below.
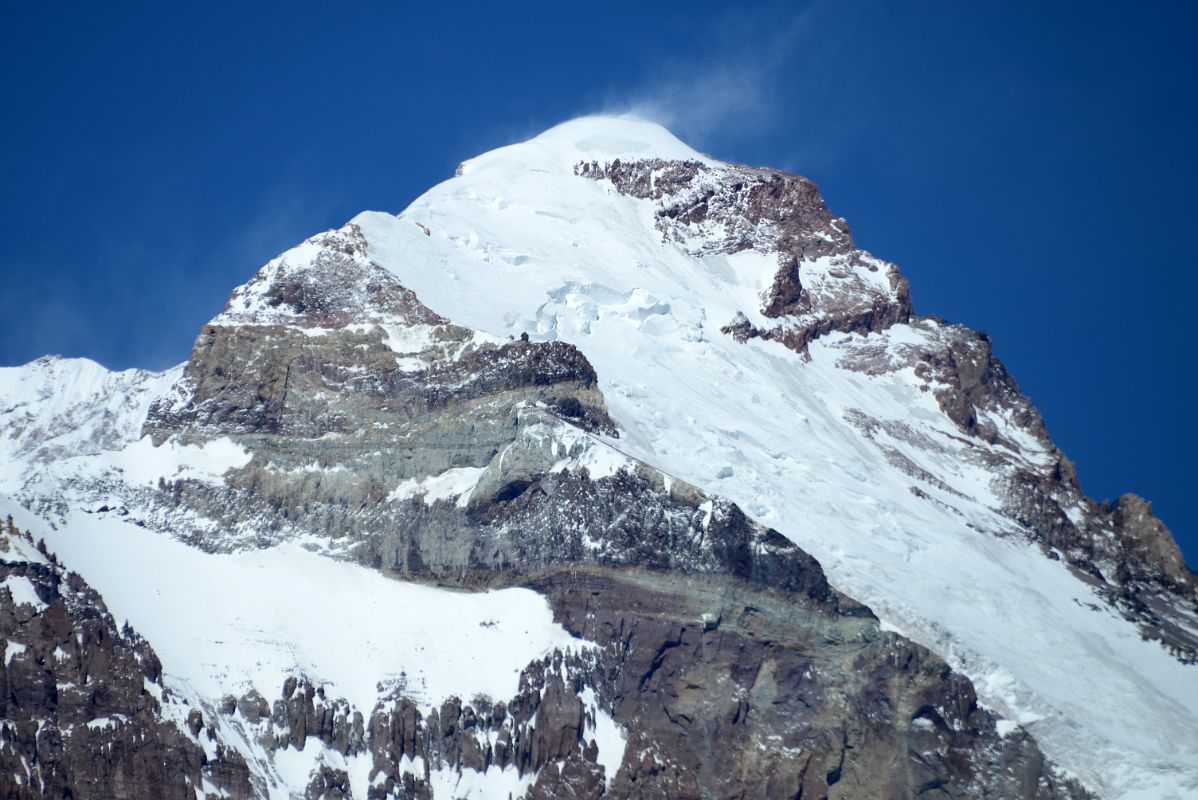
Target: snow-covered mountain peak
(592, 138)
(602, 366)
(625, 208)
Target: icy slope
(562, 256)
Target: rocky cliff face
(347, 402)
(725, 664)
(339, 409)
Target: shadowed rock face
(747, 693)
(80, 713)
(1151, 546)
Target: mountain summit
(731, 517)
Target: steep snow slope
(518, 242)
(84, 711)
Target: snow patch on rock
(451, 483)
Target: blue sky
(1031, 167)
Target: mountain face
(605, 469)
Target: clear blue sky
(1030, 166)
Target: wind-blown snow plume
(730, 87)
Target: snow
(574, 449)
(310, 468)
(451, 483)
(607, 734)
(104, 722)
(1006, 727)
(142, 462)
(602, 139)
(518, 243)
(494, 784)
(407, 341)
(295, 767)
(15, 550)
(23, 593)
(56, 408)
(11, 650)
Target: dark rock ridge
(823, 283)
(83, 712)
